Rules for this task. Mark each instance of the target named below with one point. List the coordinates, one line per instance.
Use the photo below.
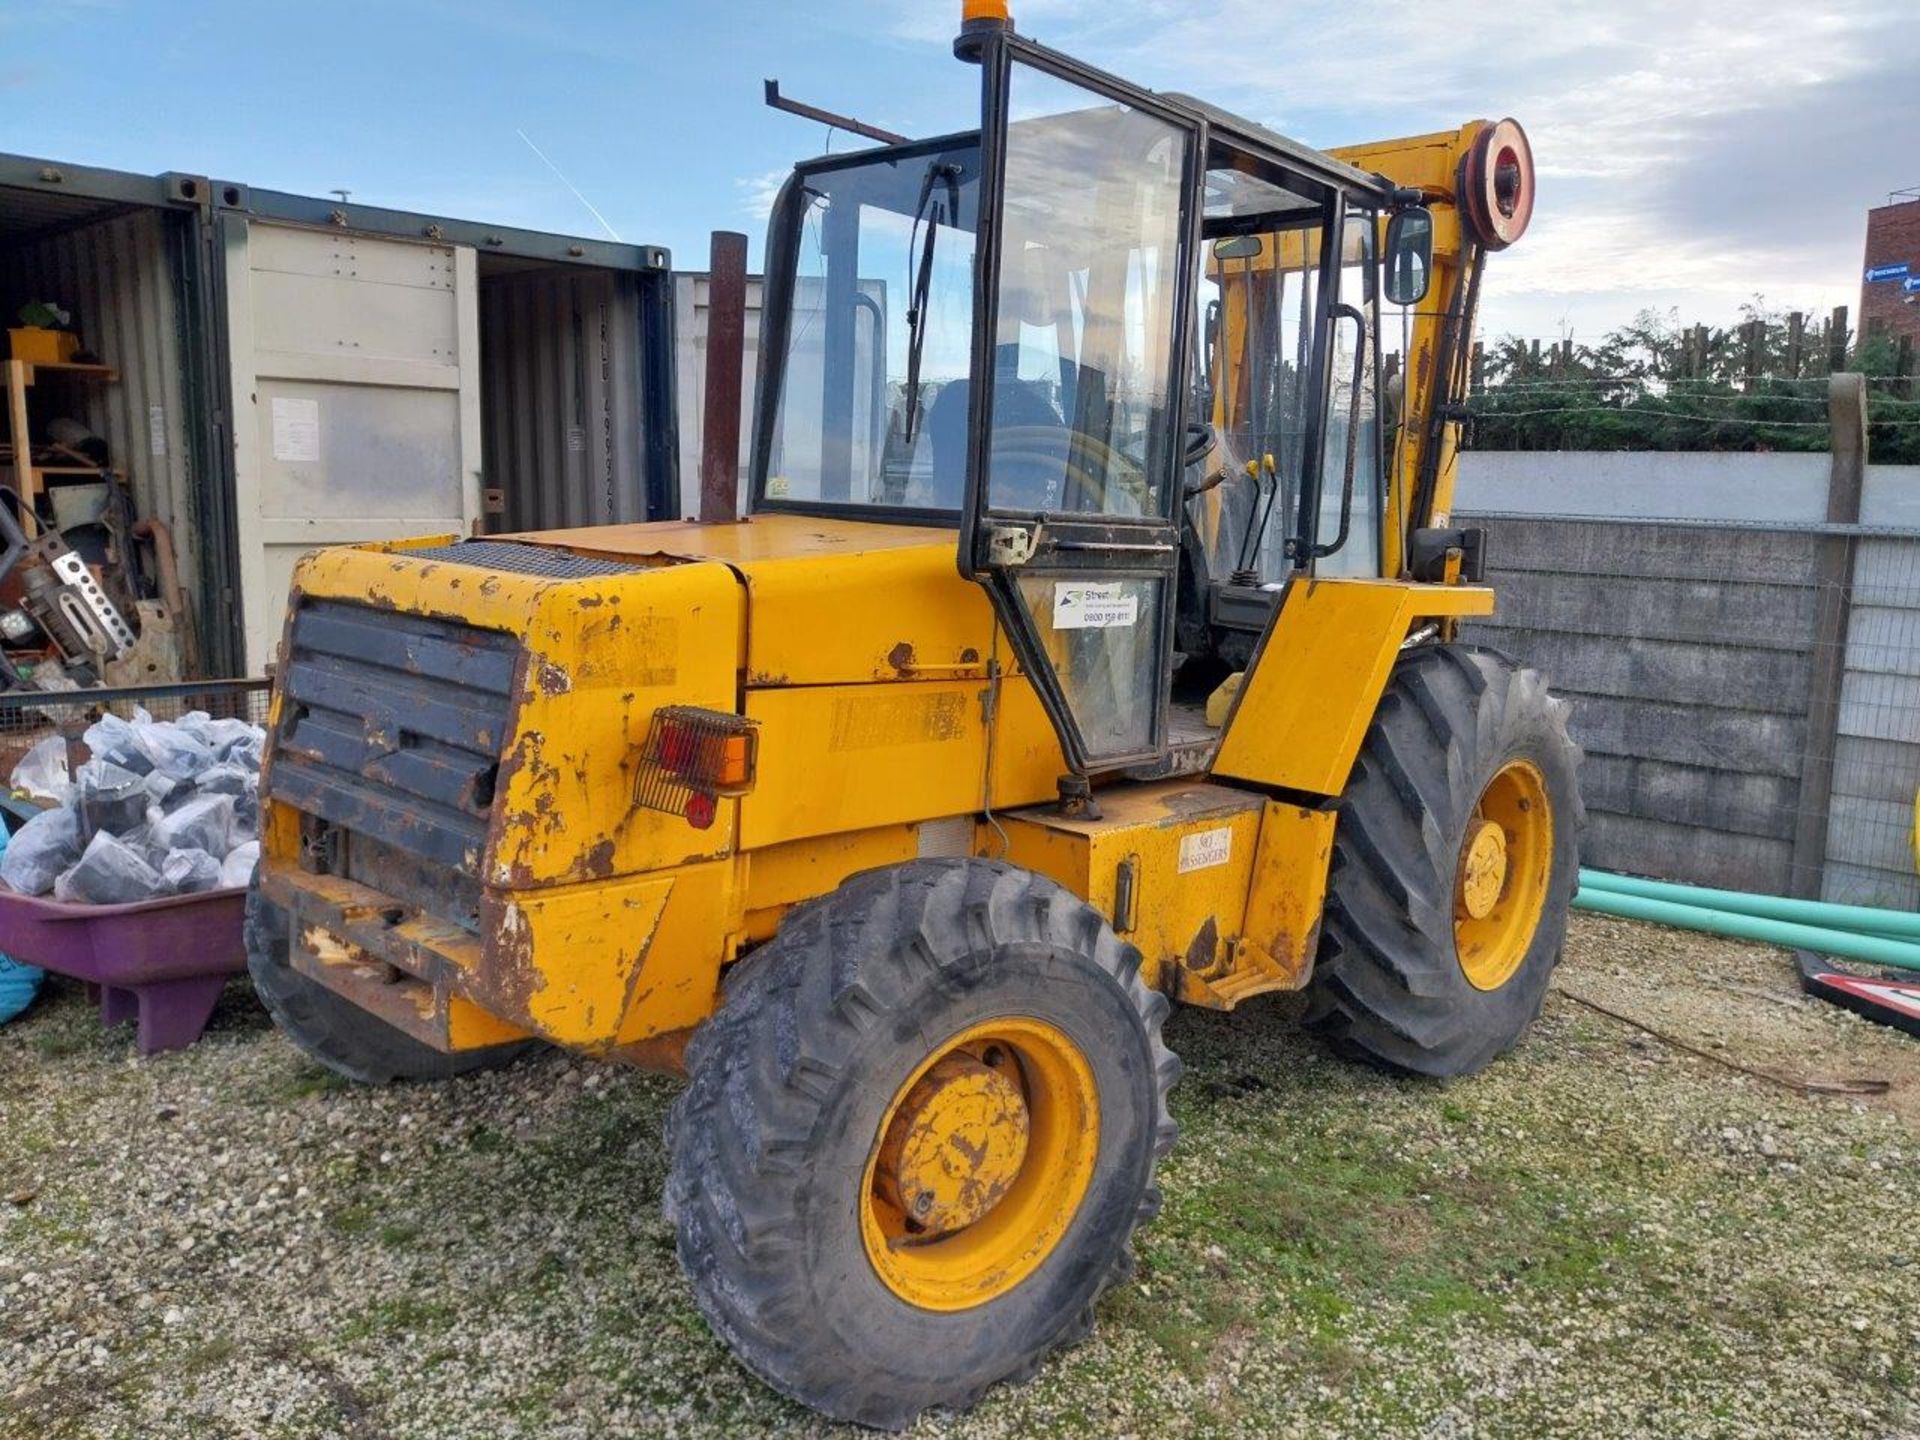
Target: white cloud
(758, 192)
(1632, 106)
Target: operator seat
(1032, 478)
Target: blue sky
(1692, 155)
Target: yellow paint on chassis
(606, 924)
(1007, 1204)
(1313, 686)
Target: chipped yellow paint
(601, 655)
(1189, 846)
(600, 964)
(956, 1144)
(1506, 866)
(837, 758)
(1429, 164)
(780, 876)
(1310, 693)
(1483, 870)
(1289, 886)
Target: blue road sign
(1911, 283)
(1887, 272)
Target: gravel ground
(1599, 1236)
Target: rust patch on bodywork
(900, 657)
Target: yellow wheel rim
(1506, 859)
(980, 1164)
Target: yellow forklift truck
(902, 861)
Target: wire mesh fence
(28, 716)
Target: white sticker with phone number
(1205, 849)
(1100, 605)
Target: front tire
(918, 1136)
(1455, 859)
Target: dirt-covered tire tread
(1387, 986)
(760, 1070)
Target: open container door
(1082, 300)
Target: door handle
(1344, 311)
(1009, 545)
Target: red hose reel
(1496, 184)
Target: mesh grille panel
(520, 559)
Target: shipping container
(290, 371)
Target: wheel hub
(1483, 871)
(1506, 865)
(956, 1144)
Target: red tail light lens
(691, 758)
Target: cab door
(1082, 303)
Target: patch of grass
(62, 1042)
(399, 1315)
(208, 1354)
(484, 1140)
(351, 1220)
(397, 1233)
(307, 1079)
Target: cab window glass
(872, 408)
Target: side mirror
(1409, 255)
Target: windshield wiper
(947, 174)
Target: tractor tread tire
(339, 1034)
(786, 1075)
(1387, 986)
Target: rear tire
(335, 1032)
(1405, 977)
(795, 1087)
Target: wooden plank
(1877, 707)
(19, 377)
(1883, 640)
(1863, 885)
(1846, 475)
(1877, 833)
(1876, 769)
(1886, 571)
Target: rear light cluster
(693, 757)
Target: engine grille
(391, 728)
(510, 555)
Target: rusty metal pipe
(726, 358)
(172, 594)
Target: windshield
(1084, 380)
(872, 316)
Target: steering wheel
(1046, 459)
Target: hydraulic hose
(1872, 949)
(1859, 919)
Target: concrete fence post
(1833, 584)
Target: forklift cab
(1106, 337)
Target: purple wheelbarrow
(159, 963)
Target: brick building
(1890, 289)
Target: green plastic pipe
(1860, 919)
(1873, 949)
